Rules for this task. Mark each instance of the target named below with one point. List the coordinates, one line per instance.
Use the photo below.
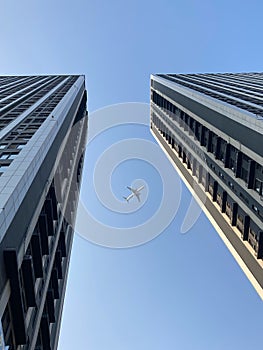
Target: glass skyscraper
(43, 128)
(211, 128)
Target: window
(3, 167)
(4, 156)
(20, 146)
(12, 156)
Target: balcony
(16, 301)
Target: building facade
(43, 128)
(211, 128)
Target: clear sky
(176, 291)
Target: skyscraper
(211, 128)
(43, 127)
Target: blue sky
(177, 291)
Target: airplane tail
(126, 198)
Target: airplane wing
(138, 196)
(129, 197)
(140, 188)
(131, 189)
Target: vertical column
(246, 228)
(251, 173)
(260, 245)
(43, 230)
(180, 151)
(172, 142)
(37, 255)
(202, 140)
(215, 188)
(189, 161)
(194, 167)
(54, 281)
(184, 157)
(234, 214)
(238, 164)
(170, 138)
(209, 142)
(227, 156)
(58, 262)
(205, 180)
(167, 134)
(52, 194)
(200, 173)
(49, 213)
(50, 306)
(29, 280)
(186, 127)
(45, 333)
(218, 146)
(16, 302)
(181, 119)
(62, 243)
(224, 198)
(196, 129)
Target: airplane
(135, 192)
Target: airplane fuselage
(135, 192)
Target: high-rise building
(43, 127)
(211, 128)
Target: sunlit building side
(211, 128)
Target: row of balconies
(53, 293)
(250, 165)
(227, 205)
(244, 167)
(35, 263)
(23, 279)
(241, 165)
